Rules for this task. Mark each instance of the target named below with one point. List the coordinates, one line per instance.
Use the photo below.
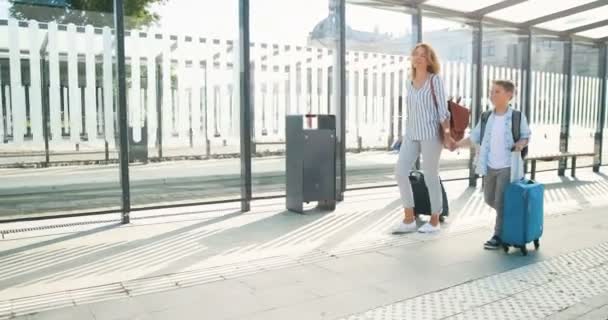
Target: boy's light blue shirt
(484, 151)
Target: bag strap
(433, 93)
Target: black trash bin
(138, 151)
(310, 161)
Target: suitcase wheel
(505, 248)
(536, 244)
(524, 250)
(441, 218)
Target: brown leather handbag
(459, 116)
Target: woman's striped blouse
(422, 117)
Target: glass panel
(378, 46)
(453, 43)
(577, 20)
(182, 93)
(533, 9)
(465, 6)
(57, 86)
(292, 63)
(547, 98)
(502, 56)
(595, 33)
(585, 100)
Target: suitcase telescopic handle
(416, 174)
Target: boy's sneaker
(493, 243)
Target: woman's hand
(449, 142)
(455, 146)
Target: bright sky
(271, 19)
(275, 19)
(4, 6)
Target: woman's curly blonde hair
(433, 66)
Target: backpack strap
(484, 120)
(516, 130)
(516, 125)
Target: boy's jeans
(494, 185)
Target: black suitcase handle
(416, 173)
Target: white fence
(188, 86)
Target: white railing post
(167, 95)
(108, 87)
(75, 104)
(90, 103)
(152, 97)
(17, 95)
(54, 84)
(35, 91)
(134, 90)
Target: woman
(427, 131)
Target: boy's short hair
(505, 84)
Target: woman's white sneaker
(403, 227)
(429, 228)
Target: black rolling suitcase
(422, 204)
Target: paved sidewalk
(430, 279)
(269, 264)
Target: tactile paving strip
(583, 285)
(504, 283)
(507, 309)
(547, 298)
(470, 296)
(531, 292)
(437, 305)
(426, 307)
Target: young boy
(496, 144)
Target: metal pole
(526, 106)
(417, 25)
(417, 38)
(122, 110)
(159, 107)
(45, 99)
(527, 65)
(601, 121)
(565, 126)
(340, 100)
(45, 110)
(245, 105)
(477, 93)
(392, 77)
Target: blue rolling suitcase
(523, 215)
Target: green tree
(81, 12)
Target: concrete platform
(214, 263)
